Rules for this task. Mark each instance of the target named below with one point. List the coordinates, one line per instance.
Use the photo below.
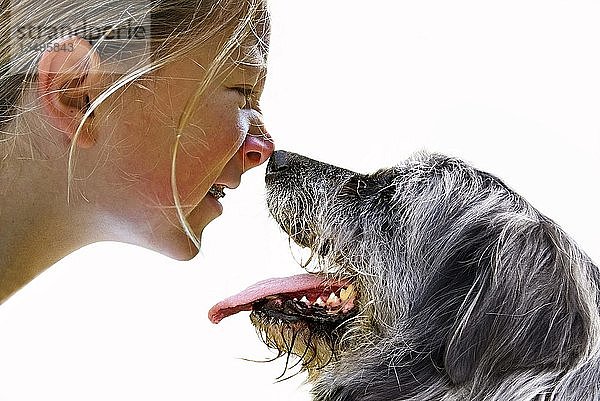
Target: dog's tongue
(243, 301)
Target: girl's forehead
(256, 44)
(246, 56)
(253, 44)
(251, 54)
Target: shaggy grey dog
(445, 285)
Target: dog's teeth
(333, 300)
(305, 300)
(346, 293)
(319, 302)
(295, 299)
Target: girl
(123, 121)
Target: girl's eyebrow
(254, 66)
(252, 60)
(251, 70)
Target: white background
(512, 87)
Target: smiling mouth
(217, 191)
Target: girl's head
(135, 109)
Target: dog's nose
(278, 163)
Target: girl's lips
(228, 183)
(213, 202)
(210, 201)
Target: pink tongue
(243, 300)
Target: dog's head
(436, 279)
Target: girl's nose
(256, 149)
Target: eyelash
(246, 92)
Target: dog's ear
(529, 307)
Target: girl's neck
(37, 226)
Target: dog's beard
(310, 332)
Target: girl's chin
(207, 210)
(174, 243)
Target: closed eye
(251, 97)
(247, 92)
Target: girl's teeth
(217, 191)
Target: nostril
(254, 157)
(255, 150)
(278, 162)
(280, 168)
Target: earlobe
(67, 74)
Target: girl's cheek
(198, 164)
(211, 138)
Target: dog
(436, 282)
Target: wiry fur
(467, 292)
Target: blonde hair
(175, 28)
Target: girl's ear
(68, 71)
(529, 308)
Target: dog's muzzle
(297, 186)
